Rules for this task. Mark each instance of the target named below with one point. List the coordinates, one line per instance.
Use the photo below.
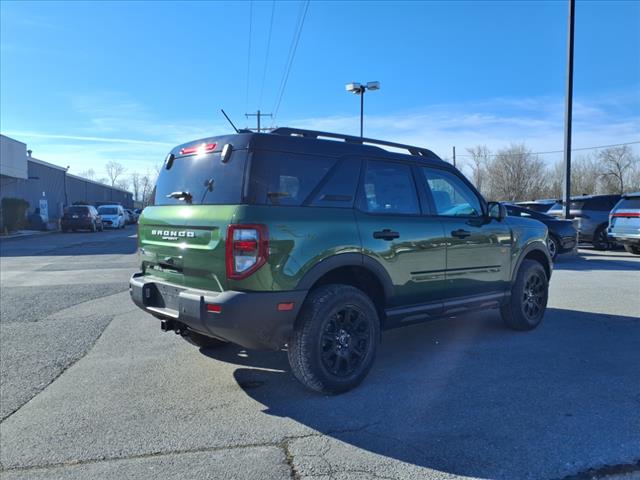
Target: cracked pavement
(92, 389)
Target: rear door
(478, 258)
(182, 236)
(395, 233)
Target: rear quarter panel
(299, 238)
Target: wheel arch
(353, 269)
(537, 252)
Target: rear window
(630, 203)
(108, 211)
(205, 178)
(279, 178)
(82, 210)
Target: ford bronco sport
(319, 241)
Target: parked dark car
(81, 217)
(542, 205)
(592, 214)
(563, 236)
(624, 222)
(132, 216)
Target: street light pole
(568, 114)
(359, 89)
(362, 111)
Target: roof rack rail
(299, 132)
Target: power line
(266, 58)
(246, 106)
(292, 54)
(561, 151)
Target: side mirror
(496, 211)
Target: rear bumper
(625, 238)
(249, 319)
(568, 243)
(76, 223)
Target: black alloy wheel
(345, 341)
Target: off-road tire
(525, 311)
(337, 321)
(202, 341)
(632, 249)
(600, 240)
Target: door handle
(386, 234)
(461, 233)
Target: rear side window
(389, 188)
(205, 178)
(339, 189)
(604, 204)
(286, 179)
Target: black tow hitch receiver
(171, 325)
(167, 325)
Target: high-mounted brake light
(199, 149)
(626, 214)
(247, 249)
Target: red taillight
(247, 249)
(626, 214)
(214, 308)
(202, 148)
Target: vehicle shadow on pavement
(469, 397)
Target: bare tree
(516, 174)
(90, 174)
(135, 185)
(480, 157)
(123, 183)
(114, 170)
(616, 165)
(147, 187)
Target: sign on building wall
(44, 209)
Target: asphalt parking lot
(90, 387)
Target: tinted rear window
(192, 174)
(631, 203)
(279, 178)
(82, 210)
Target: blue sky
(84, 83)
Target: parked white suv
(112, 216)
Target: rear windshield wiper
(186, 196)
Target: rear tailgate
(184, 244)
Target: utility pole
(454, 156)
(568, 114)
(259, 115)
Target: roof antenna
(229, 120)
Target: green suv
(320, 241)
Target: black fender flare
(348, 260)
(533, 246)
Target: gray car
(624, 222)
(592, 214)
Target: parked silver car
(624, 222)
(592, 214)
